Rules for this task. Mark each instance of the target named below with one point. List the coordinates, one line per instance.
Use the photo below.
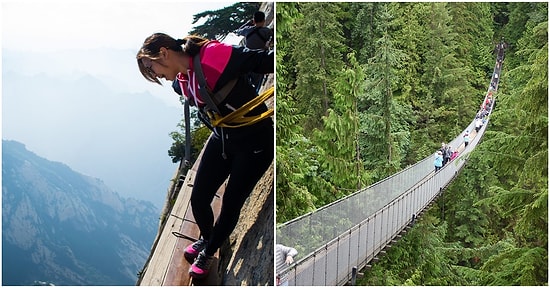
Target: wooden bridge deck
(167, 265)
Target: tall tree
(468, 223)
(441, 89)
(472, 23)
(318, 53)
(338, 138)
(218, 23)
(296, 161)
(382, 142)
(365, 29)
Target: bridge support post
(353, 275)
(442, 205)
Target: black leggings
(248, 157)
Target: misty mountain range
(93, 111)
(63, 228)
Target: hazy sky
(56, 26)
(53, 25)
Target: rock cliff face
(63, 228)
(249, 255)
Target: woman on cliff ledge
(241, 153)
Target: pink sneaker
(192, 251)
(199, 269)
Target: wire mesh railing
(352, 231)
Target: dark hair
(259, 17)
(151, 49)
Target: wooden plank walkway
(167, 266)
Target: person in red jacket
(243, 154)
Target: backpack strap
(214, 115)
(203, 87)
(222, 93)
(257, 31)
(212, 101)
(186, 114)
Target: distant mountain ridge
(64, 228)
(96, 114)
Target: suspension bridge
(348, 235)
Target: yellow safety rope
(237, 119)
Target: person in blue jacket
(438, 161)
(466, 138)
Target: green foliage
(338, 138)
(426, 68)
(297, 167)
(468, 222)
(223, 21)
(507, 178)
(303, 183)
(514, 265)
(418, 259)
(317, 54)
(522, 15)
(364, 29)
(199, 135)
(296, 156)
(472, 24)
(500, 12)
(384, 134)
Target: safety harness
(236, 118)
(211, 116)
